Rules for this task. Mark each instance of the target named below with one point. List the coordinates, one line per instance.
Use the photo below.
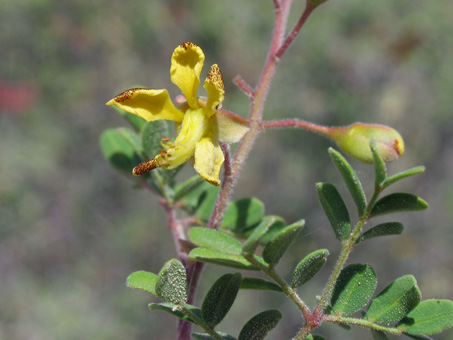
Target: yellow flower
(200, 122)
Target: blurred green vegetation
(72, 229)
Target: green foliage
(395, 301)
(172, 283)
(243, 214)
(428, 318)
(354, 288)
(215, 240)
(258, 326)
(403, 174)
(379, 164)
(335, 209)
(173, 309)
(119, 150)
(350, 177)
(254, 239)
(309, 267)
(384, 229)
(222, 259)
(143, 280)
(278, 225)
(259, 284)
(398, 202)
(275, 249)
(220, 298)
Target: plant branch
(362, 323)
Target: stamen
(146, 166)
(163, 153)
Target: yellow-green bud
(355, 140)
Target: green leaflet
(395, 301)
(335, 209)
(223, 259)
(379, 164)
(220, 298)
(258, 326)
(215, 240)
(309, 267)
(428, 318)
(401, 175)
(384, 229)
(275, 249)
(119, 151)
(172, 309)
(350, 178)
(398, 202)
(253, 240)
(353, 289)
(242, 214)
(259, 284)
(172, 283)
(143, 280)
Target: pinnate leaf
(353, 289)
(309, 267)
(384, 229)
(215, 240)
(428, 318)
(172, 283)
(278, 225)
(335, 209)
(143, 280)
(395, 301)
(350, 178)
(258, 326)
(220, 298)
(275, 249)
(398, 202)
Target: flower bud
(355, 140)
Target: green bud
(355, 140)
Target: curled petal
(186, 64)
(148, 103)
(230, 127)
(215, 88)
(208, 159)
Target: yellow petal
(186, 64)
(230, 127)
(208, 159)
(148, 103)
(215, 88)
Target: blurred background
(72, 229)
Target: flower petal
(186, 64)
(215, 88)
(208, 159)
(230, 127)
(148, 103)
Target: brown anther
(165, 139)
(163, 153)
(145, 167)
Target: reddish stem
(323, 130)
(295, 31)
